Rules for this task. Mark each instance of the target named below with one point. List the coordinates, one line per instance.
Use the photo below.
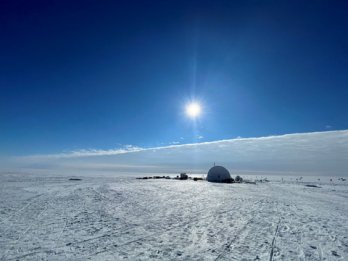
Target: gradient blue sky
(102, 74)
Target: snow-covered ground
(117, 218)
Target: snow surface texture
(116, 218)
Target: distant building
(183, 176)
(219, 174)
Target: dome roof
(218, 174)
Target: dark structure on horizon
(219, 174)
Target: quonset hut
(219, 174)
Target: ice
(113, 218)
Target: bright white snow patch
(51, 218)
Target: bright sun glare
(193, 109)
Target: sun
(193, 109)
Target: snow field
(122, 218)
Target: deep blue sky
(102, 74)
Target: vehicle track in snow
(232, 249)
(14, 242)
(31, 200)
(173, 227)
(44, 203)
(175, 220)
(274, 240)
(227, 246)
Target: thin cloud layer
(317, 153)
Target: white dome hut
(219, 174)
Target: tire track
(227, 246)
(34, 198)
(273, 240)
(177, 225)
(48, 201)
(4, 256)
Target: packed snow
(113, 218)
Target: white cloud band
(312, 153)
